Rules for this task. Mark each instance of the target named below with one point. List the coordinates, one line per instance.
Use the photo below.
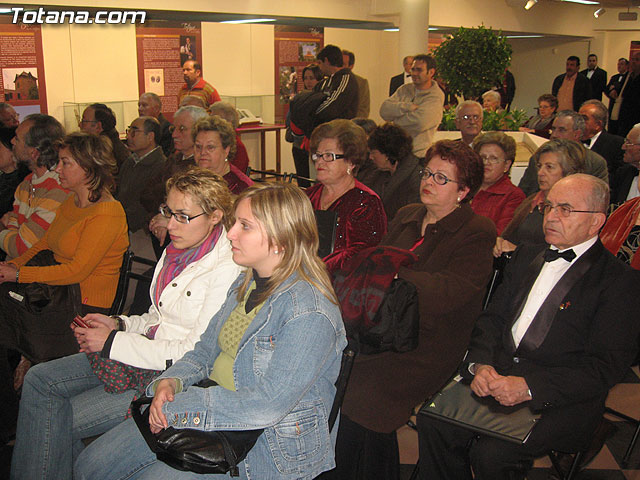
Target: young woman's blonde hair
(207, 189)
(286, 215)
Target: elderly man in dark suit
(402, 78)
(560, 332)
(597, 77)
(597, 139)
(624, 184)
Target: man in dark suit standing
(613, 89)
(571, 88)
(560, 332)
(403, 78)
(628, 113)
(595, 137)
(597, 77)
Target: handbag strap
(142, 421)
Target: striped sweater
(34, 208)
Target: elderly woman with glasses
(540, 124)
(66, 400)
(497, 198)
(337, 149)
(453, 248)
(555, 159)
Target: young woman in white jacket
(64, 401)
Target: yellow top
(229, 340)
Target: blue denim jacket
(285, 369)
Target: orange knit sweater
(89, 244)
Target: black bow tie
(586, 143)
(552, 255)
(408, 75)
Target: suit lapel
(537, 331)
(530, 276)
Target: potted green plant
(473, 60)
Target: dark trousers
(362, 454)
(448, 452)
(301, 160)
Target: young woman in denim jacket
(276, 371)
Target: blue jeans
(122, 453)
(62, 402)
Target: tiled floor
(625, 398)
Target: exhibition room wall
(98, 63)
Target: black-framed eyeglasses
(470, 117)
(562, 209)
(132, 131)
(439, 178)
(83, 121)
(326, 156)
(166, 212)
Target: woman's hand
(503, 246)
(158, 227)
(8, 272)
(165, 391)
(92, 339)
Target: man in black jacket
(597, 76)
(571, 88)
(339, 86)
(595, 137)
(402, 78)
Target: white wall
(536, 62)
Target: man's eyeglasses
(475, 118)
(132, 131)
(439, 178)
(491, 159)
(166, 212)
(83, 121)
(326, 156)
(180, 128)
(561, 209)
(629, 143)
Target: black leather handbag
(192, 450)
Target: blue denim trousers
(62, 402)
(134, 459)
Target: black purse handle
(142, 421)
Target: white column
(414, 27)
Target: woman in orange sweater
(88, 238)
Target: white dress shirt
(549, 276)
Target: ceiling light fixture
(251, 20)
(599, 12)
(583, 2)
(530, 4)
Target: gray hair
(570, 155)
(492, 93)
(578, 120)
(598, 197)
(154, 98)
(468, 103)
(196, 113)
(601, 113)
(5, 106)
(226, 111)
